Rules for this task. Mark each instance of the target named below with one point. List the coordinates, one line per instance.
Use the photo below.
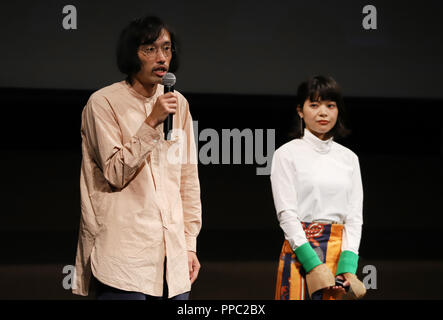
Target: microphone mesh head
(168, 79)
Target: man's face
(155, 59)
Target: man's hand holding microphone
(165, 105)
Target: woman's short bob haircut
(141, 31)
(319, 88)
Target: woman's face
(319, 116)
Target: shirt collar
(140, 96)
(319, 145)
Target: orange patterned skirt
(326, 240)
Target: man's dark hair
(141, 31)
(319, 88)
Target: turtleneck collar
(319, 145)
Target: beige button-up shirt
(140, 195)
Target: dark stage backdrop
(230, 46)
(399, 146)
(238, 58)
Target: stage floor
(252, 280)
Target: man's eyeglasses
(151, 50)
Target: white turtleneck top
(314, 179)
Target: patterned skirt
(326, 240)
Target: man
(141, 212)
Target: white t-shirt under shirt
(314, 179)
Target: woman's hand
(339, 291)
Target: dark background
(241, 64)
(229, 46)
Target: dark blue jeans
(105, 292)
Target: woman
(318, 196)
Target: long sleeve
(118, 162)
(285, 200)
(348, 261)
(190, 187)
(354, 219)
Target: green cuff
(307, 257)
(347, 263)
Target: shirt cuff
(307, 257)
(148, 134)
(347, 263)
(191, 243)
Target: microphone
(168, 81)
